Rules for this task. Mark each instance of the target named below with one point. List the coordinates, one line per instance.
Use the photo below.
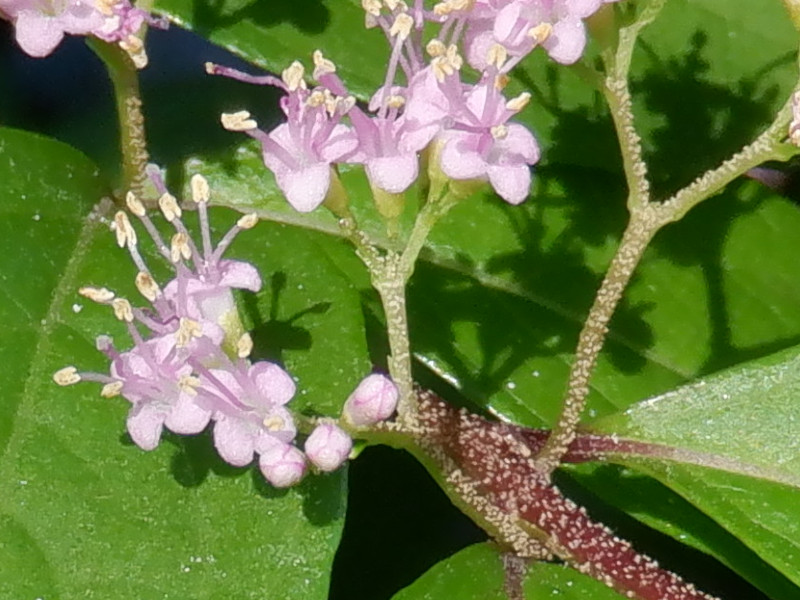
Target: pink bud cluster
(40, 25)
(189, 364)
(422, 101)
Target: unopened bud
(282, 465)
(328, 447)
(374, 400)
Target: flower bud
(375, 399)
(328, 447)
(282, 465)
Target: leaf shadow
(271, 335)
(307, 16)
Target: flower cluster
(189, 363)
(40, 25)
(467, 124)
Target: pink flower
(328, 447)
(40, 25)
(300, 151)
(249, 415)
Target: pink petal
(186, 417)
(519, 141)
(393, 173)
(565, 45)
(305, 189)
(37, 35)
(240, 275)
(272, 382)
(233, 440)
(145, 423)
(459, 161)
(511, 182)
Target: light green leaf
(476, 573)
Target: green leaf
(742, 420)
(476, 573)
(83, 510)
(273, 34)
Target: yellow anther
(99, 295)
(402, 26)
(179, 247)
(501, 81)
(187, 329)
(322, 66)
(395, 101)
(497, 55)
(247, 221)
(238, 121)
(111, 389)
(316, 98)
(372, 7)
(244, 346)
(499, 132)
(200, 190)
(541, 32)
(66, 376)
(292, 76)
(274, 423)
(518, 103)
(126, 234)
(169, 206)
(122, 309)
(189, 384)
(147, 286)
(134, 204)
(435, 48)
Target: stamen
(499, 132)
(179, 247)
(135, 205)
(274, 422)
(292, 76)
(187, 330)
(518, 103)
(189, 384)
(435, 48)
(396, 101)
(501, 81)
(200, 190)
(541, 32)
(238, 121)
(247, 221)
(322, 66)
(147, 286)
(99, 295)
(124, 230)
(244, 346)
(497, 55)
(402, 26)
(122, 309)
(111, 389)
(66, 376)
(372, 7)
(169, 206)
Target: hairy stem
(133, 145)
(640, 230)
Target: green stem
(125, 80)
